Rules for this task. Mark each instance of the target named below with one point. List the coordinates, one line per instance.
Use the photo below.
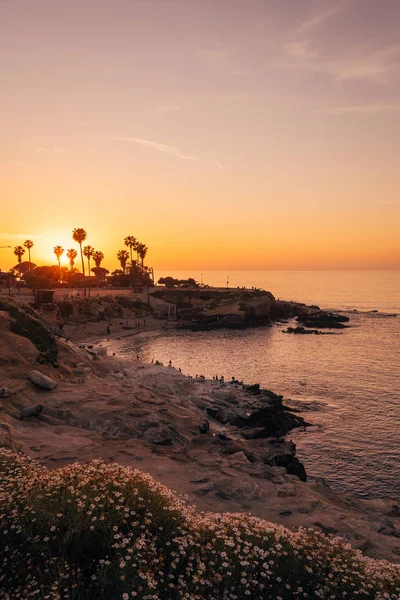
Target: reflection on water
(350, 381)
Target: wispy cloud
(363, 109)
(171, 150)
(319, 18)
(219, 166)
(375, 65)
(305, 47)
(300, 43)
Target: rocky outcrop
(323, 320)
(26, 322)
(206, 310)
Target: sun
(53, 238)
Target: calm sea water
(347, 384)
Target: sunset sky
(225, 134)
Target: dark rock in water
(302, 330)
(275, 421)
(204, 427)
(323, 320)
(291, 463)
(31, 411)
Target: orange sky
(260, 137)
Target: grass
(102, 531)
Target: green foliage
(105, 532)
(26, 324)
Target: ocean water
(347, 385)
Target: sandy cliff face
(150, 416)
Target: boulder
(42, 380)
(204, 427)
(230, 488)
(219, 413)
(159, 435)
(253, 433)
(6, 437)
(292, 464)
(4, 391)
(31, 411)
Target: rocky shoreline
(210, 309)
(222, 444)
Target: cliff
(219, 443)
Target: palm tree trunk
(29, 254)
(83, 264)
(130, 251)
(83, 269)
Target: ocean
(347, 385)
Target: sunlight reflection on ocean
(352, 378)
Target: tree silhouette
(79, 235)
(28, 244)
(71, 255)
(123, 256)
(88, 251)
(58, 251)
(142, 251)
(98, 257)
(19, 251)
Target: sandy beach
(91, 332)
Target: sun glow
(51, 239)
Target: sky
(224, 134)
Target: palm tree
(123, 256)
(19, 251)
(131, 243)
(79, 235)
(58, 251)
(98, 257)
(72, 254)
(142, 250)
(28, 244)
(88, 251)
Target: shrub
(66, 308)
(102, 531)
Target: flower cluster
(102, 531)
